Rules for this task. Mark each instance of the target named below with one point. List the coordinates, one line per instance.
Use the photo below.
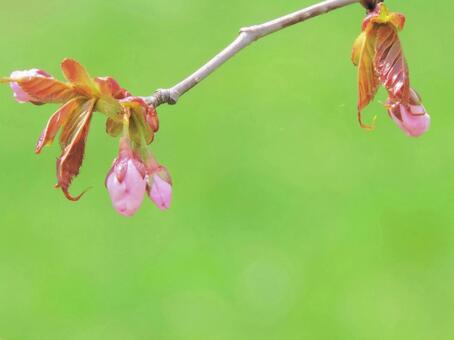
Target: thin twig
(247, 36)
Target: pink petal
(110, 87)
(20, 95)
(161, 192)
(127, 195)
(413, 120)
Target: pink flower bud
(160, 187)
(126, 181)
(412, 118)
(20, 95)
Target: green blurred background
(288, 220)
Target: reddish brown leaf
(75, 73)
(110, 87)
(46, 90)
(57, 120)
(72, 142)
(152, 118)
(357, 48)
(368, 81)
(390, 63)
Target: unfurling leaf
(76, 74)
(378, 54)
(72, 142)
(390, 63)
(43, 90)
(368, 81)
(57, 120)
(357, 48)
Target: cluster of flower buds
(132, 175)
(135, 171)
(378, 54)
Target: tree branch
(247, 36)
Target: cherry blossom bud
(412, 118)
(20, 95)
(160, 187)
(126, 181)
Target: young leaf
(46, 90)
(73, 145)
(368, 81)
(76, 74)
(57, 120)
(390, 63)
